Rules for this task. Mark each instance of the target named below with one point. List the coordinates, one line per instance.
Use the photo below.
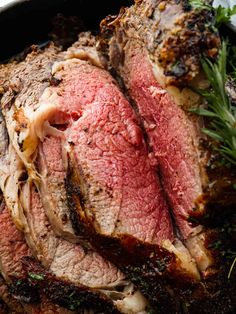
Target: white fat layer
(187, 263)
(202, 256)
(129, 300)
(132, 304)
(26, 141)
(184, 98)
(10, 185)
(60, 65)
(85, 53)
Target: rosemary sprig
(200, 4)
(220, 110)
(231, 268)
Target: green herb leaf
(231, 268)
(203, 112)
(36, 276)
(200, 4)
(223, 15)
(220, 111)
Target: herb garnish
(38, 277)
(222, 126)
(231, 268)
(200, 4)
(222, 14)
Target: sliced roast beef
(18, 274)
(24, 84)
(107, 146)
(69, 262)
(20, 295)
(173, 135)
(85, 112)
(13, 248)
(28, 121)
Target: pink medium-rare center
(121, 190)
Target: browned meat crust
(174, 34)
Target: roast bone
(69, 262)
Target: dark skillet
(23, 23)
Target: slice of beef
(173, 134)
(22, 88)
(69, 262)
(173, 138)
(12, 249)
(20, 295)
(119, 186)
(103, 142)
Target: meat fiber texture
(31, 204)
(72, 134)
(136, 41)
(102, 186)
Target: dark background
(30, 22)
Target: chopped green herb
(220, 111)
(73, 302)
(216, 245)
(223, 15)
(200, 4)
(192, 219)
(36, 276)
(19, 282)
(234, 186)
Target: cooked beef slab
(100, 188)
(137, 40)
(173, 134)
(27, 80)
(13, 250)
(31, 204)
(107, 147)
(173, 138)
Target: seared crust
(175, 35)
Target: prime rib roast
(111, 197)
